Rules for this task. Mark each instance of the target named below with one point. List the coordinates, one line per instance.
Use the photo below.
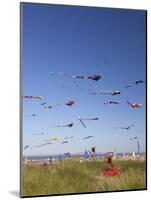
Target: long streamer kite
(67, 125)
(85, 77)
(127, 127)
(113, 93)
(88, 137)
(33, 97)
(111, 102)
(86, 119)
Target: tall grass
(75, 177)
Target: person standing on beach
(50, 160)
(94, 152)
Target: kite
(51, 73)
(48, 143)
(74, 77)
(95, 118)
(138, 144)
(26, 146)
(54, 138)
(133, 138)
(128, 127)
(105, 92)
(33, 97)
(115, 93)
(128, 86)
(49, 107)
(139, 82)
(134, 105)
(88, 137)
(138, 147)
(111, 102)
(43, 104)
(84, 119)
(38, 97)
(82, 122)
(95, 77)
(33, 115)
(42, 133)
(64, 142)
(28, 97)
(85, 77)
(66, 138)
(67, 125)
(70, 103)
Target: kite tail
(82, 123)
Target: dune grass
(74, 177)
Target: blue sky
(79, 41)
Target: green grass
(75, 177)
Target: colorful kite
(54, 139)
(70, 103)
(134, 105)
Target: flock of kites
(72, 102)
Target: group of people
(90, 153)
